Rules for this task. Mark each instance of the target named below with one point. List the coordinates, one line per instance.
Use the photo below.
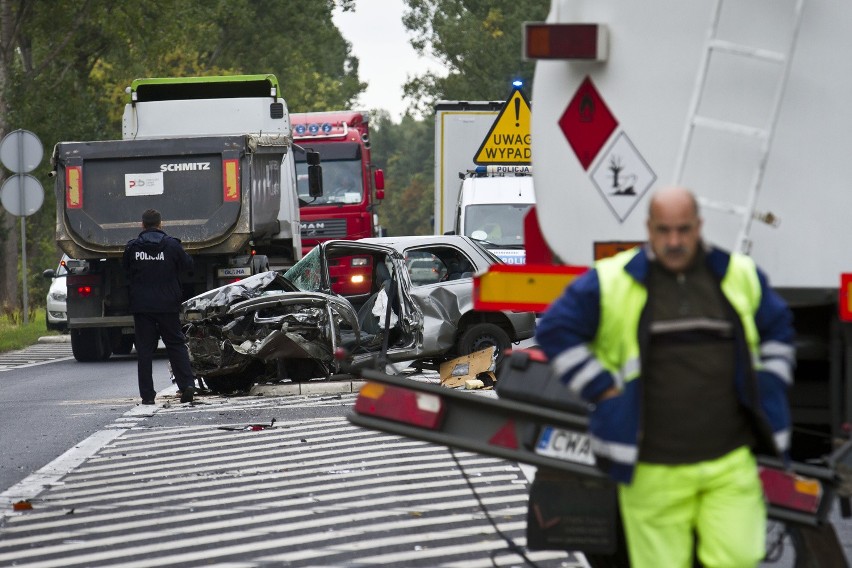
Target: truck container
(218, 195)
(352, 189)
(230, 105)
(460, 128)
(738, 101)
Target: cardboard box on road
(478, 365)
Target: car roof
(407, 242)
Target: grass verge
(15, 335)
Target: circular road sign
(10, 195)
(21, 151)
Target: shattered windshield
(306, 275)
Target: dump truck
(226, 105)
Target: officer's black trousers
(150, 327)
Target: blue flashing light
(517, 83)
(326, 127)
(313, 128)
(300, 129)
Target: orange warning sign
(508, 141)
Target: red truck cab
(352, 188)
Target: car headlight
(58, 296)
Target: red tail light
(791, 491)
(84, 285)
(400, 405)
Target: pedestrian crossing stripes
(37, 354)
(214, 403)
(311, 492)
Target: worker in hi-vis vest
(687, 355)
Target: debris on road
(249, 427)
(478, 367)
(23, 505)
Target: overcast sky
(380, 42)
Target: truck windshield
(341, 183)
(496, 225)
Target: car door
(406, 342)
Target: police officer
(153, 262)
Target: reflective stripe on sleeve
(779, 367)
(782, 440)
(778, 349)
(585, 375)
(570, 358)
(615, 451)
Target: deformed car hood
(218, 300)
(264, 318)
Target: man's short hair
(151, 219)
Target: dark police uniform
(153, 262)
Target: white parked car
(57, 313)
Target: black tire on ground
(482, 335)
(124, 345)
(816, 547)
(90, 344)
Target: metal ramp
(761, 134)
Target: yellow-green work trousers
(721, 500)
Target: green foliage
(15, 335)
(407, 157)
(479, 42)
(66, 65)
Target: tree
(407, 156)
(478, 41)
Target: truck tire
(816, 547)
(482, 335)
(90, 344)
(124, 345)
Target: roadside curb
(64, 338)
(324, 387)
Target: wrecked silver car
(349, 302)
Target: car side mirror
(379, 177)
(49, 273)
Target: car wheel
(482, 335)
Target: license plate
(240, 272)
(565, 445)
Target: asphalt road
(52, 406)
(48, 407)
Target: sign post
(22, 195)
